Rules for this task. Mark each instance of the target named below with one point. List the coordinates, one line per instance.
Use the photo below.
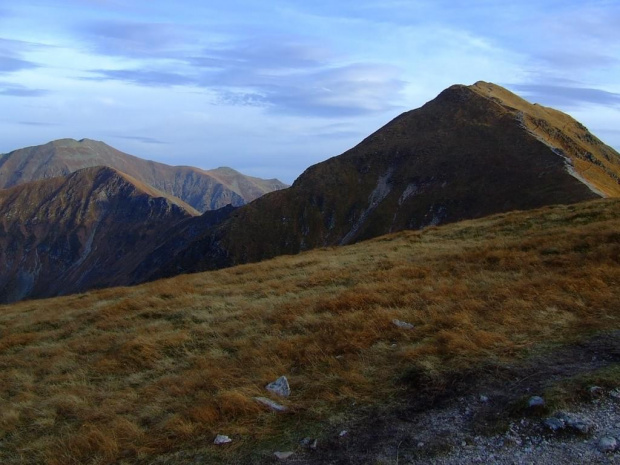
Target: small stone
(596, 391)
(484, 399)
(615, 393)
(536, 401)
(283, 455)
(607, 444)
(271, 404)
(464, 443)
(305, 442)
(221, 439)
(280, 387)
(402, 324)
(554, 424)
(314, 444)
(420, 444)
(578, 425)
(343, 433)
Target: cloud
(295, 77)
(568, 96)
(575, 59)
(145, 140)
(332, 92)
(133, 39)
(270, 53)
(9, 64)
(149, 78)
(283, 75)
(11, 52)
(16, 90)
(37, 124)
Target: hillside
(471, 152)
(75, 232)
(151, 373)
(203, 190)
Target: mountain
(72, 233)
(203, 190)
(471, 152)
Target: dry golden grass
(122, 375)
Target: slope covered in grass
(127, 374)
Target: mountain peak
(201, 189)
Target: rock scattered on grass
(280, 387)
(608, 444)
(596, 391)
(283, 455)
(309, 443)
(536, 401)
(271, 404)
(554, 424)
(402, 324)
(221, 439)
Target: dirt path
(482, 417)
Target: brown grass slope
(126, 375)
(468, 153)
(72, 233)
(203, 190)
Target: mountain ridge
(468, 153)
(473, 151)
(202, 189)
(75, 232)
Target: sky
(272, 87)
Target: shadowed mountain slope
(203, 190)
(84, 230)
(471, 152)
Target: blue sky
(272, 87)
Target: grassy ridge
(122, 375)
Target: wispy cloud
(285, 75)
(9, 64)
(567, 96)
(16, 90)
(143, 139)
(37, 124)
(143, 77)
(12, 52)
(134, 39)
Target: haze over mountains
(471, 152)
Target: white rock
(271, 404)
(536, 401)
(607, 444)
(221, 439)
(280, 387)
(402, 324)
(283, 455)
(343, 433)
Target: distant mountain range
(203, 190)
(472, 151)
